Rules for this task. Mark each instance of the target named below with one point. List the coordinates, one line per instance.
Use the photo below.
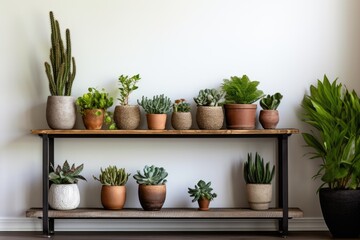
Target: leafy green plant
(66, 174)
(127, 86)
(151, 176)
(241, 90)
(180, 105)
(257, 172)
(209, 97)
(333, 112)
(159, 104)
(271, 102)
(61, 72)
(202, 190)
(112, 176)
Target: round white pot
(259, 196)
(64, 196)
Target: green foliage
(156, 105)
(180, 105)
(241, 90)
(94, 99)
(60, 74)
(271, 102)
(112, 176)
(151, 176)
(257, 172)
(209, 97)
(333, 111)
(127, 85)
(65, 174)
(202, 190)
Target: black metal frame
(282, 148)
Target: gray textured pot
(181, 120)
(209, 118)
(61, 112)
(127, 117)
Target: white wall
(178, 47)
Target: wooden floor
(163, 235)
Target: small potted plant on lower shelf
(269, 115)
(181, 117)
(113, 190)
(152, 187)
(202, 193)
(258, 177)
(64, 192)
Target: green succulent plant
(202, 190)
(271, 102)
(127, 86)
(159, 104)
(151, 175)
(209, 97)
(112, 176)
(180, 105)
(257, 172)
(66, 174)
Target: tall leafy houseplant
(333, 113)
(241, 94)
(61, 71)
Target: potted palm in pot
(64, 192)
(241, 94)
(113, 190)
(202, 193)
(333, 113)
(269, 115)
(181, 116)
(60, 106)
(152, 187)
(127, 116)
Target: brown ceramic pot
(156, 121)
(240, 116)
(113, 197)
(152, 197)
(269, 118)
(127, 117)
(209, 118)
(93, 118)
(203, 204)
(181, 120)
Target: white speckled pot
(64, 196)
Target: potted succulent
(209, 113)
(156, 110)
(258, 177)
(113, 190)
(269, 115)
(60, 106)
(202, 193)
(181, 116)
(152, 187)
(93, 108)
(240, 110)
(127, 116)
(64, 192)
(333, 113)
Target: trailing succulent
(60, 73)
(209, 97)
(112, 176)
(180, 105)
(159, 104)
(256, 172)
(151, 176)
(202, 190)
(127, 85)
(271, 102)
(66, 174)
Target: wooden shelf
(166, 213)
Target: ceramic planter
(259, 196)
(113, 197)
(203, 204)
(181, 120)
(156, 121)
(152, 197)
(209, 118)
(64, 196)
(240, 116)
(61, 112)
(127, 117)
(93, 118)
(269, 118)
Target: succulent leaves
(127, 85)
(209, 97)
(202, 190)
(112, 176)
(159, 104)
(151, 176)
(66, 174)
(271, 102)
(257, 172)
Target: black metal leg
(45, 184)
(283, 183)
(51, 162)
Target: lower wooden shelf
(166, 213)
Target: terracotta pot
(93, 118)
(152, 197)
(269, 118)
(61, 112)
(156, 121)
(259, 196)
(203, 204)
(64, 196)
(127, 117)
(240, 116)
(210, 118)
(181, 120)
(113, 197)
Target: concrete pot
(127, 117)
(209, 118)
(64, 196)
(259, 196)
(61, 112)
(181, 120)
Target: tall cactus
(61, 74)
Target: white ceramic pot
(64, 196)
(259, 196)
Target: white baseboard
(30, 224)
